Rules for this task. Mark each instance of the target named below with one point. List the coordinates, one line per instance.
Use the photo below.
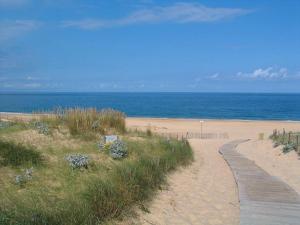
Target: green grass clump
(12, 154)
(11, 126)
(290, 141)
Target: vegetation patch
(289, 141)
(80, 185)
(13, 154)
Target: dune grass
(105, 191)
(13, 154)
(290, 141)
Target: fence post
(298, 144)
(275, 133)
(283, 136)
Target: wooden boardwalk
(264, 199)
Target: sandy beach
(205, 192)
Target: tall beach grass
(104, 191)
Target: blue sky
(148, 45)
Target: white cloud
(13, 3)
(214, 76)
(12, 29)
(31, 78)
(176, 13)
(269, 73)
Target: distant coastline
(208, 106)
(13, 114)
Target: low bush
(118, 149)
(289, 147)
(5, 124)
(290, 141)
(41, 127)
(22, 179)
(78, 161)
(12, 154)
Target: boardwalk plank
(264, 199)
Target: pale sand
(205, 192)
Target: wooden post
(298, 144)
(283, 136)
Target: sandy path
(204, 193)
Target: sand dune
(205, 193)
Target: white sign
(110, 138)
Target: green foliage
(288, 140)
(106, 196)
(5, 124)
(289, 147)
(12, 154)
(132, 182)
(77, 161)
(41, 127)
(118, 149)
(11, 126)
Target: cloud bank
(269, 73)
(176, 13)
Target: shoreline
(171, 118)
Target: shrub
(289, 140)
(5, 124)
(17, 154)
(20, 180)
(288, 147)
(78, 161)
(118, 149)
(41, 127)
(148, 132)
(23, 178)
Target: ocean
(166, 105)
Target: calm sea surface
(171, 105)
